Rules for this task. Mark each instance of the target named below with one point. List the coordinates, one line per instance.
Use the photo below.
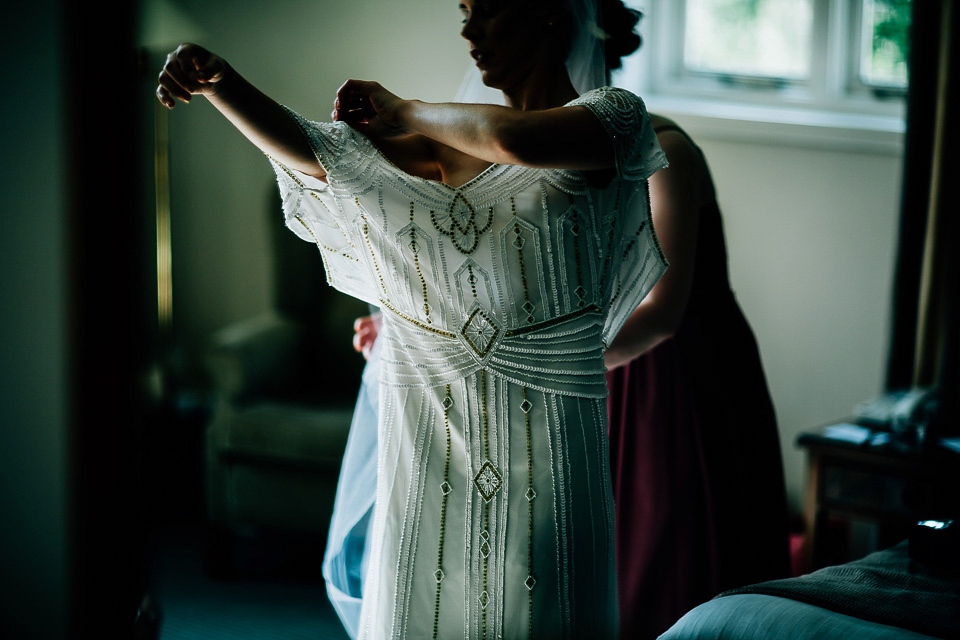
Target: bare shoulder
(669, 133)
(658, 121)
(687, 164)
(676, 144)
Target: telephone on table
(904, 413)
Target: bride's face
(507, 38)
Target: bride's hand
(370, 108)
(189, 70)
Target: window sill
(782, 125)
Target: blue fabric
(760, 617)
(345, 559)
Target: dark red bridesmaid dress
(695, 458)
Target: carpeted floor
(262, 603)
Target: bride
(506, 245)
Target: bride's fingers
(209, 70)
(182, 72)
(164, 97)
(349, 109)
(188, 70)
(177, 83)
(173, 86)
(355, 92)
(357, 100)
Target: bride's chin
(491, 80)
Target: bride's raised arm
(558, 138)
(192, 70)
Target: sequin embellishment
(459, 223)
(488, 481)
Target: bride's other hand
(370, 108)
(189, 70)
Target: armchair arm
(251, 356)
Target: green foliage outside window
(889, 45)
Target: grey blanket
(885, 587)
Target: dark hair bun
(620, 24)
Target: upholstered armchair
(285, 384)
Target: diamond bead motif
(438, 574)
(484, 600)
(530, 583)
(488, 481)
(445, 488)
(485, 549)
(530, 494)
(525, 406)
(480, 331)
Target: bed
(884, 596)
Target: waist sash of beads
(562, 355)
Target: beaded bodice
(524, 272)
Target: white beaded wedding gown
(494, 513)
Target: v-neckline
(477, 178)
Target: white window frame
(832, 110)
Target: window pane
(768, 38)
(884, 42)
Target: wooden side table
(877, 484)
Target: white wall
(811, 232)
(811, 236)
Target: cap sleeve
(313, 210)
(625, 118)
